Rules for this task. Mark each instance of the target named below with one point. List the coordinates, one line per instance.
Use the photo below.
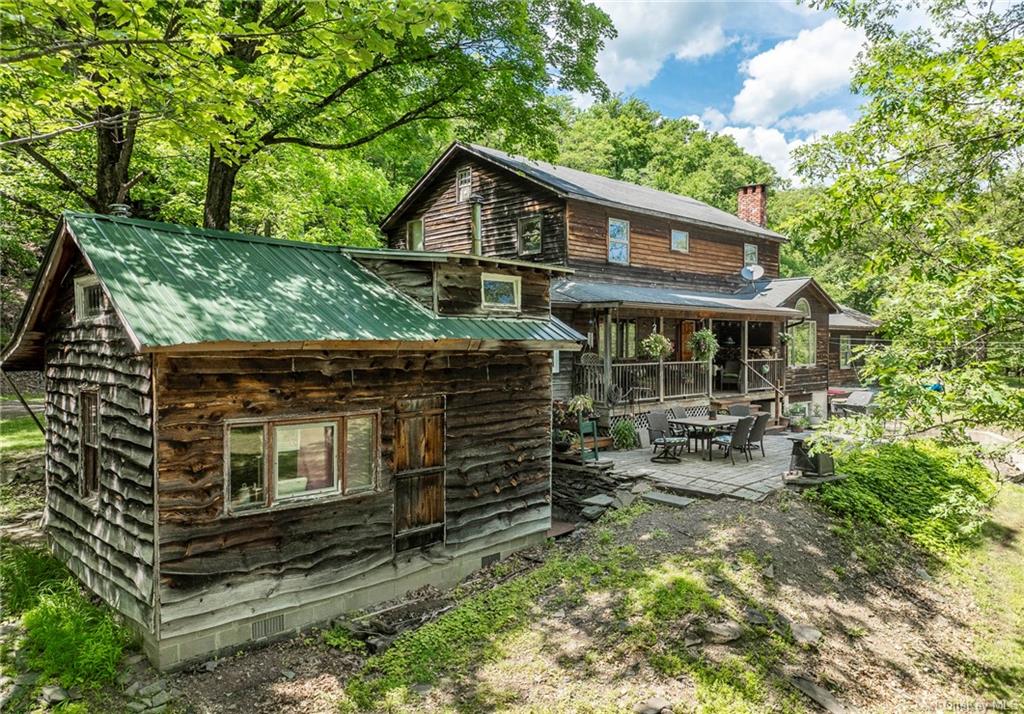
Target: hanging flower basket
(655, 346)
(704, 345)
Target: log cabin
(247, 436)
(644, 261)
(848, 330)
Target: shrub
(72, 639)
(624, 435)
(24, 574)
(933, 494)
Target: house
(245, 436)
(847, 330)
(644, 261)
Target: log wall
(107, 540)
(447, 224)
(217, 568)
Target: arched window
(803, 338)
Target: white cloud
(793, 73)
(817, 124)
(713, 119)
(768, 143)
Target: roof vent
(121, 210)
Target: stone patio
(718, 478)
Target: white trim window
(88, 298)
(749, 254)
(501, 292)
(414, 234)
(845, 352)
(463, 185)
(280, 462)
(802, 350)
(618, 241)
(530, 239)
(680, 241)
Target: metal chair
(664, 440)
(756, 437)
(738, 439)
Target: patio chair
(756, 437)
(664, 441)
(738, 439)
(739, 410)
(731, 373)
(588, 427)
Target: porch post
(607, 353)
(745, 351)
(711, 365)
(661, 364)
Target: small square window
(88, 298)
(618, 241)
(463, 185)
(304, 459)
(530, 242)
(680, 241)
(749, 254)
(414, 234)
(500, 292)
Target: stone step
(690, 491)
(667, 499)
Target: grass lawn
(19, 435)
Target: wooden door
(419, 472)
(686, 330)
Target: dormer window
(463, 185)
(500, 292)
(88, 298)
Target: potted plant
(561, 440)
(704, 345)
(655, 346)
(815, 417)
(624, 436)
(581, 406)
(799, 423)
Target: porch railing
(646, 381)
(764, 375)
(685, 379)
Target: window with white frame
(277, 462)
(802, 348)
(618, 241)
(556, 362)
(845, 352)
(680, 241)
(500, 292)
(414, 234)
(749, 254)
(463, 185)
(530, 235)
(88, 298)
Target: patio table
(722, 421)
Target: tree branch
(67, 183)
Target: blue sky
(771, 74)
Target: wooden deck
(717, 478)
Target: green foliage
(25, 573)
(19, 435)
(70, 638)
(342, 639)
(703, 344)
(581, 405)
(625, 139)
(624, 435)
(656, 346)
(935, 495)
(668, 592)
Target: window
(89, 436)
(618, 241)
(680, 241)
(556, 362)
(280, 462)
(88, 298)
(414, 234)
(802, 348)
(530, 235)
(463, 185)
(500, 292)
(624, 342)
(749, 254)
(845, 352)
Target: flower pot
(561, 446)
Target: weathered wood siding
(215, 569)
(459, 289)
(803, 380)
(447, 224)
(415, 278)
(843, 377)
(106, 540)
(715, 256)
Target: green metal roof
(175, 285)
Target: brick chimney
(751, 203)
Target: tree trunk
(220, 185)
(115, 143)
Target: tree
(626, 139)
(928, 173)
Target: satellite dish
(750, 273)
